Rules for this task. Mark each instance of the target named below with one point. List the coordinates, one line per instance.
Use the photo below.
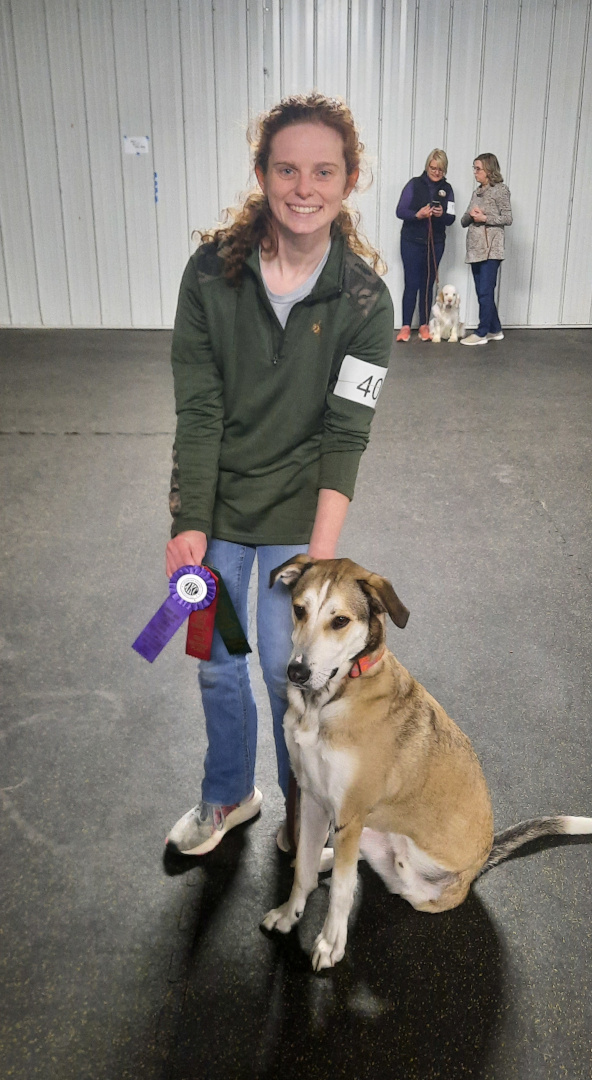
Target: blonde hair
(440, 157)
(491, 166)
(250, 224)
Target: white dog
(445, 321)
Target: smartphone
(435, 202)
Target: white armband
(451, 208)
(360, 381)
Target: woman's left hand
(437, 211)
(477, 214)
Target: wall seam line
(90, 171)
(57, 153)
(567, 242)
(541, 160)
(120, 135)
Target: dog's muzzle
(300, 674)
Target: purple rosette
(191, 588)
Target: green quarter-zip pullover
(267, 416)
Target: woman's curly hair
(250, 224)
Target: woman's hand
(185, 549)
(437, 211)
(477, 214)
(426, 211)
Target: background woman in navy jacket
(426, 207)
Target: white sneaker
(473, 339)
(496, 337)
(203, 827)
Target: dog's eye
(340, 621)
(299, 611)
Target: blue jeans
(419, 278)
(228, 702)
(485, 278)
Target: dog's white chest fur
(321, 770)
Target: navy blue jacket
(417, 193)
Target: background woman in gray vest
(486, 216)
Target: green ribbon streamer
(227, 620)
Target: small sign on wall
(135, 144)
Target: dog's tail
(509, 840)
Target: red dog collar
(363, 664)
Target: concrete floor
(474, 498)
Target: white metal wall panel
(331, 39)
(577, 285)
(500, 51)
(232, 98)
(298, 46)
(272, 52)
(105, 157)
(89, 239)
(73, 161)
(524, 173)
(199, 107)
(431, 76)
(4, 304)
(38, 119)
(366, 34)
(168, 144)
(557, 169)
(20, 303)
(257, 75)
(135, 119)
(498, 85)
(399, 37)
(465, 84)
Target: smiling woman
(305, 185)
(282, 338)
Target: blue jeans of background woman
(419, 278)
(485, 278)
(228, 702)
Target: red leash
(432, 256)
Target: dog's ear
(440, 298)
(291, 570)
(457, 301)
(383, 597)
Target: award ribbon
(197, 593)
(227, 620)
(191, 588)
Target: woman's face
(479, 171)
(435, 171)
(306, 179)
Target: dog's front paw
(436, 339)
(453, 338)
(326, 952)
(282, 918)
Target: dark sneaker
(201, 829)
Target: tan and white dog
(445, 322)
(376, 756)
